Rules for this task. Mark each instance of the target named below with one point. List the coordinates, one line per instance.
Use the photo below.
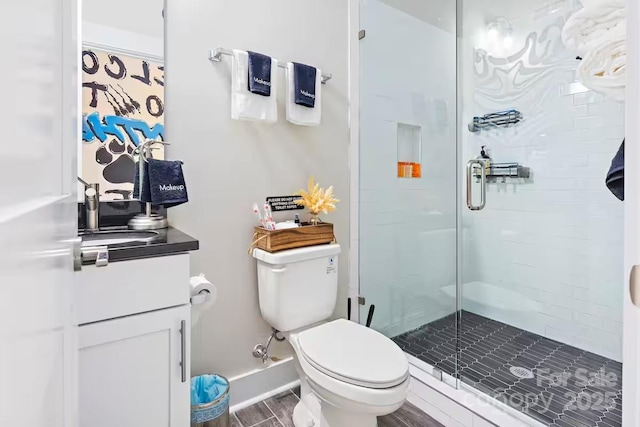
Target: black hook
(370, 315)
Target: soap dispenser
(484, 155)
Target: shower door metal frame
(353, 291)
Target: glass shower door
(542, 253)
(407, 197)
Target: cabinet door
(131, 370)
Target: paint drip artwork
(122, 106)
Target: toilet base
(307, 412)
(302, 416)
(327, 415)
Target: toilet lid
(354, 354)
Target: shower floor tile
(552, 382)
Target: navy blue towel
(615, 176)
(304, 78)
(259, 74)
(146, 189)
(168, 187)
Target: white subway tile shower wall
(408, 76)
(557, 240)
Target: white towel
(604, 70)
(598, 34)
(244, 104)
(299, 114)
(599, 22)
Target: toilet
(349, 374)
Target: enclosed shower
(488, 239)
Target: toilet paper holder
(202, 297)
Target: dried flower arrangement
(317, 200)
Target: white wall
(111, 39)
(441, 14)
(135, 28)
(407, 226)
(556, 241)
(229, 164)
(139, 16)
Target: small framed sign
(284, 203)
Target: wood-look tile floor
(277, 411)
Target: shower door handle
(483, 184)
(634, 285)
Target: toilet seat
(354, 354)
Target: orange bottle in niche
(401, 169)
(409, 170)
(416, 170)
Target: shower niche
(409, 140)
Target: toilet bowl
(349, 374)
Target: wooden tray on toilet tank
(291, 238)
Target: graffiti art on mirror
(122, 105)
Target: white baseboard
(260, 384)
(450, 406)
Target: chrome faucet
(91, 205)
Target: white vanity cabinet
(134, 365)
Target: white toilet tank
(297, 287)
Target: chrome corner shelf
(503, 171)
(498, 119)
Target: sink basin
(106, 238)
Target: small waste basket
(209, 401)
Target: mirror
(122, 90)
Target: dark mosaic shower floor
(570, 388)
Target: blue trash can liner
(209, 401)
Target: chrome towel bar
(215, 55)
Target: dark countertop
(170, 241)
